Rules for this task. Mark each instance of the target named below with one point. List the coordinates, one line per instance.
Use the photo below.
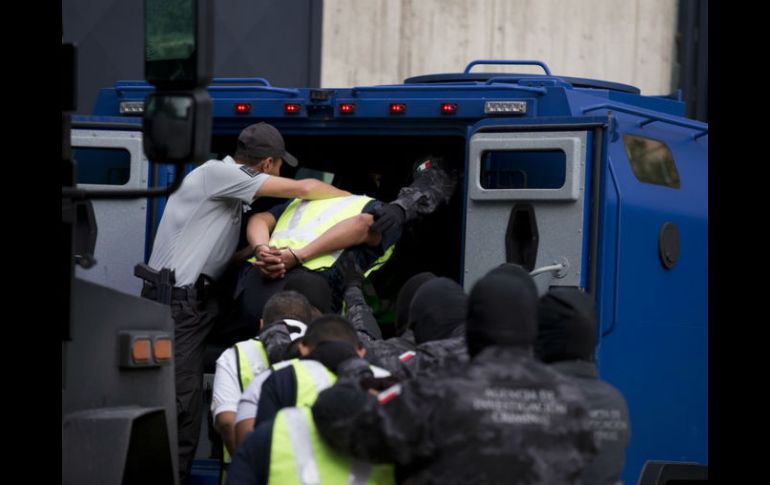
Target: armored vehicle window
(541, 169)
(105, 166)
(309, 173)
(651, 161)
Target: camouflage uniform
(399, 355)
(608, 418)
(501, 418)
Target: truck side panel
(653, 319)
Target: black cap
(262, 140)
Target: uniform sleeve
(251, 462)
(360, 315)
(390, 429)
(228, 181)
(279, 391)
(249, 403)
(226, 389)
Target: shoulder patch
(389, 394)
(407, 355)
(249, 171)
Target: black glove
(351, 272)
(386, 217)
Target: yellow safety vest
(312, 378)
(245, 375)
(298, 455)
(305, 220)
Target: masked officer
(436, 319)
(196, 239)
(529, 423)
(566, 340)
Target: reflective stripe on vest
(299, 455)
(303, 222)
(312, 378)
(246, 371)
(246, 366)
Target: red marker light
(291, 108)
(397, 108)
(347, 108)
(242, 108)
(449, 108)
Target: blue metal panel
(654, 321)
(587, 204)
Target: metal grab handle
(546, 269)
(240, 80)
(509, 63)
(559, 268)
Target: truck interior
(378, 166)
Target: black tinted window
(651, 161)
(106, 166)
(544, 169)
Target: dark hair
(330, 328)
(244, 157)
(286, 304)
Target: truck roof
(452, 98)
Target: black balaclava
(404, 299)
(438, 307)
(567, 326)
(332, 353)
(315, 288)
(502, 310)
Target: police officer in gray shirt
(196, 239)
(566, 340)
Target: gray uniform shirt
(199, 230)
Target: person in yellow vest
(289, 450)
(301, 236)
(239, 364)
(285, 447)
(329, 342)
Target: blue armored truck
(586, 183)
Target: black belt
(150, 291)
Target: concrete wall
(386, 41)
(274, 39)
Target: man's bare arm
(258, 231)
(225, 424)
(309, 189)
(243, 428)
(346, 233)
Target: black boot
(431, 186)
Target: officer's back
(566, 341)
(501, 418)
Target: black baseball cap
(262, 140)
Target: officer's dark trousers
(193, 321)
